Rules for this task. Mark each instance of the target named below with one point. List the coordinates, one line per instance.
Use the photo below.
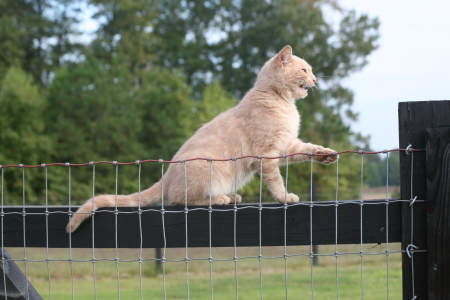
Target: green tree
(97, 98)
(126, 30)
(11, 52)
(183, 31)
(35, 35)
(22, 140)
(93, 116)
(168, 112)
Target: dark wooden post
(315, 247)
(438, 207)
(13, 283)
(414, 118)
(158, 256)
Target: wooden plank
(222, 226)
(412, 126)
(438, 190)
(13, 283)
(414, 118)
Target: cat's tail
(150, 196)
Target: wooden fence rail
(222, 226)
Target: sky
(411, 64)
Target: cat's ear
(284, 58)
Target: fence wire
(235, 258)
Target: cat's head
(288, 74)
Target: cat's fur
(265, 122)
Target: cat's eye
(304, 70)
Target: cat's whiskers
(312, 89)
(314, 96)
(316, 86)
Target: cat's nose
(315, 80)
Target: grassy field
(299, 280)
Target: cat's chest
(289, 122)
(293, 122)
(280, 127)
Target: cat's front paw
(327, 156)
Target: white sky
(411, 64)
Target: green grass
(299, 284)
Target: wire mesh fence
(256, 258)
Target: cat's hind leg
(222, 200)
(234, 198)
(218, 200)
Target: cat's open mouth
(304, 88)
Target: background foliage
(152, 74)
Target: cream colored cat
(265, 122)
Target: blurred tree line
(152, 74)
